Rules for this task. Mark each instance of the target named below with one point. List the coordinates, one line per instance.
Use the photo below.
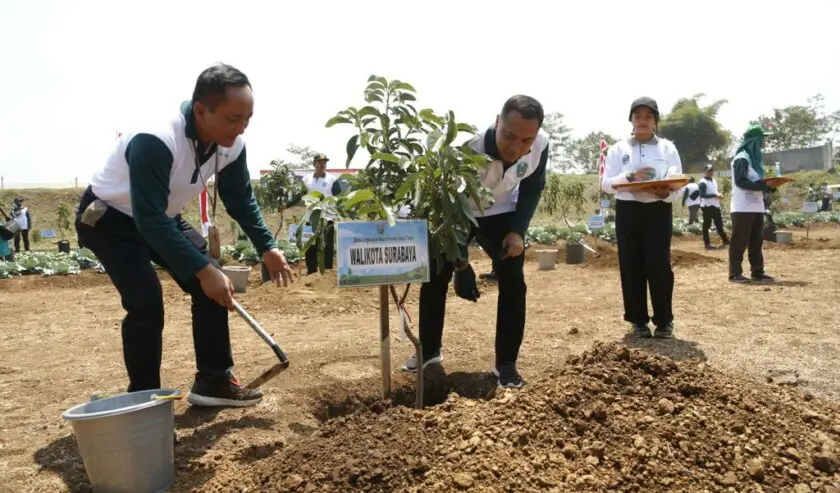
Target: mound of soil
(608, 259)
(812, 243)
(611, 418)
(38, 282)
(309, 292)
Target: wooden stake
(384, 341)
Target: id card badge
(754, 197)
(214, 243)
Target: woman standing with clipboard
(643, 220)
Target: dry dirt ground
(611, 419)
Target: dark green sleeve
(237, 194)
(740, 178)
(703, 193)
(149, 166)
(530, 190)
(336, 187)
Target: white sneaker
(411, 363)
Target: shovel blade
(267, 375)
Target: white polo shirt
(628, 155)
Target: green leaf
(406, 185)
(466, 127)
(370, 209)
(389, 214)
(336, 120)
(427, 114)
(404, 86)
(434, 140)
(407, 97)
(352, 147)
(372, 96)
(357, 197)
(451, 130)
(368, 111)
(388, 157)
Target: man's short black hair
(526, 106)
(213, 82)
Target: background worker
(130, 216)
(519, 150)
(327, 184)
(691, 199)
(643, 220)
(20, 214)
(710, 204)
(748, 207)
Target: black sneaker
(489, 276)
(508, 376)
(664, 332)
(207, 392)
(641, 331)
(763, 278)
(738, 279)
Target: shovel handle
(260, 331)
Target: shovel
(277, 368)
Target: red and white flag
(602, 159)
(202, 210)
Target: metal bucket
(127, 441)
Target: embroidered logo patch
(625, 159)
(521, 168)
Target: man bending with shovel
(516, 177)
(130, 216)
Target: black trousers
(712, 214)
(510, 308)
(747, 234)
(329, 251)
(25, 234)
(692, 214)
(643, 232)
(126, 256)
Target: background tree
(694, 129)
(583, 153)
(303, 156)
(559, 136)
(800, 126)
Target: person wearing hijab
(748, 208)
(643, 220)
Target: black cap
(320, 157)
(644, 101)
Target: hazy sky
(75, 72)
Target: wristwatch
(630, 176)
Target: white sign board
(596, 223)
(374, 253)
(810, 207)
(47, 233)
(837, 195)
(307, 233)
